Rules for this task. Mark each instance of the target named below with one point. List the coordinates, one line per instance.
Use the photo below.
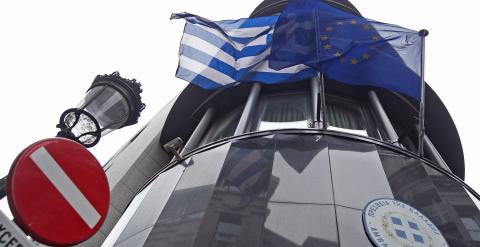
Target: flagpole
(323, 109)
(421, 118)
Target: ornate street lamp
(111, 102)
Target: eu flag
(347, 48)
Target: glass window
(283, 110)
(228, 230)
(301, 170)
(359, 164)
(292, 224)
(223, 126)
(237, 207)
(444, 201)
(472, 227)
(145, 208)
(407, 135)
(127, 215)
(180, 220)
(350, 116)
(350, 227)
(408, 138)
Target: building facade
(285, 165)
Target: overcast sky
(51, 50)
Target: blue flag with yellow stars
(347, 48)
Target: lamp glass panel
(82, 126)
(108, 106)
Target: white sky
(51, 50)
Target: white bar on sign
(65, 186)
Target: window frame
(373, 127)
(255, 120)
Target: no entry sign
(58, 192)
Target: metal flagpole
(323, 109)
(421, 119)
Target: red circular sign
(58, 192)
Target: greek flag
(214, 54)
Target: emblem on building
(390, 222)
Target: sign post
(11, 235)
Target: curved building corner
(258, 169)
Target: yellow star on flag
(366, 26)
(323, 37)
(353, 22)
(366, 56)
(354, 61)
(339, 23)
(327, 47)
(337, 54)
(328, 29)
(375, 37)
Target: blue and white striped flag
(217, 53)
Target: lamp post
(111, 102)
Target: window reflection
(242, 210)
(126, 217)
(302, 169)
(180, 220)
(277, 191)
(228, 230)
(440, 198)
(472, 227)
(290, 224)
(237, 208)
